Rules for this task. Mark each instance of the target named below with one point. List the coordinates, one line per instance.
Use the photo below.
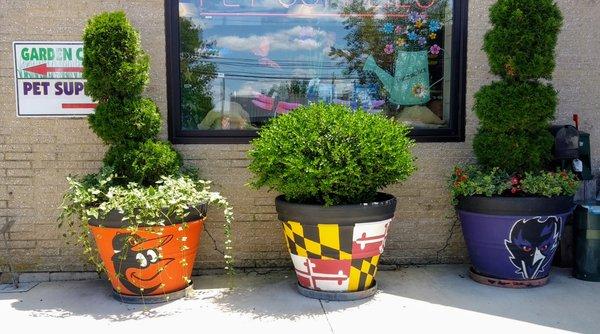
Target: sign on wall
(48, 79)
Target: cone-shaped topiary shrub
(513, 144)
(515, 113)
(114, 63)
(116, 69)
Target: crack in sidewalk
(326, 317)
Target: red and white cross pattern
(326, 275)
(368, 239)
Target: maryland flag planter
(151, 264)
(335, 250)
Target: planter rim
(516, 206)
(382, 208)
(114, 218)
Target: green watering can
(410, 84)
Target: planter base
(337, 296)
(154, 299)
(507, 283)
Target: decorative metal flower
(435, 49)
(419, 90)
(434, 26)
(389, 49)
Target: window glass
(243, 62)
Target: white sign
(48, 79)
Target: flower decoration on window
(434, 26)
(418, 32)
(419, 90)
(389, 49)
(388, 28)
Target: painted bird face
(532, 244)
(139, 261)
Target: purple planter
(513, 238)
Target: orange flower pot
(154, 263)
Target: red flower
(515, 181)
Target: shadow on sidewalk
(269, 296)
(565, 303)
(272, 295)
(90, 298)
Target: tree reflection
(196, 74)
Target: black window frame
(454, 133)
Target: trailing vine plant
(142, 177)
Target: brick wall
(37, 154)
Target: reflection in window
(243, 62)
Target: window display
(241, 63)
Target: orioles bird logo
(139, 261)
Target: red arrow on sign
(79, 105)
(43, 69)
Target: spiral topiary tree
(515, 113)
(116, 69)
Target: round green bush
(114, 63)
(116, 120)
(522, 41)
(330, 155)
(513, 151)
(514, 105)
(143, 162)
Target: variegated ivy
(95, 196)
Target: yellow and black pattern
(323, 241)
(362, 273)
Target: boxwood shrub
(330, 155)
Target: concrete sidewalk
(410, 300)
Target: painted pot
(336, 249)
(513, 239)
(152, 260)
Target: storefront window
(235, 64)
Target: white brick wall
(37, 154)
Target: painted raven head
(532, 244)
